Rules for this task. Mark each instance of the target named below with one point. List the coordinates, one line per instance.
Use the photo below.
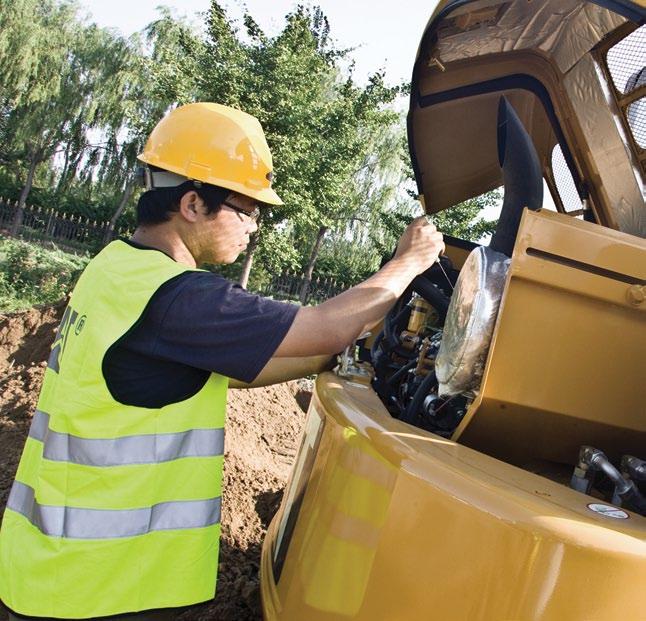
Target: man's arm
(336, 323)
(284, 369)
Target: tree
(76, 87)
(24, 37)
(462, 221)
(320, 126)
(77, 103)
(382, 209)
(162, 75)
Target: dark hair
(156, 206)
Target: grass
(30, 274)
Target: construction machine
(481, 456)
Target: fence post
(50, 222)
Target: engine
(405, 352)
(430, 357)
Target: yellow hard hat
(214, 144)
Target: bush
(32, 275)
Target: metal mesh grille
(627, 61)
(636, 115)
(564, 181)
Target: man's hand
(420, 245)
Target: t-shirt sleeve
(205, 321)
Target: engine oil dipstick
(445, 274)
(430, 220)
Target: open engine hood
(544, 57)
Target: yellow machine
(482, 457)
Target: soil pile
(263, 428)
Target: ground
(263, 428)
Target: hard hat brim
(267, 196)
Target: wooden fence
(71, 233)
(288, 286)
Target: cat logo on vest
(68, 323)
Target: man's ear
(188, 206)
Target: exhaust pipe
(522, 177)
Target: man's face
(222, 236)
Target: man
(116, 504)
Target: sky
(384, 36)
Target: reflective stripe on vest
(76, 523)
(127, 450)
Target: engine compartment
(404, 353)
(409, 357)
(446, 320)
(504, 355)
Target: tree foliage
(73, 88)
(465, 220)
(328, 135)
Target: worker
(115, 508)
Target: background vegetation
(78, 101)
(32, 275)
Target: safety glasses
(252, 215)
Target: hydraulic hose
(401, 371)
(375, 347)
(594, 458)
(418, 398)
(391, 337)
(634, 467)
(387, 332)
(624, 488)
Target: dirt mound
(25, 339)
(263, 427)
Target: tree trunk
(125, 197)
(22, 201)
(69, 173)
(305, 289)
(63, 177)
(248, 260)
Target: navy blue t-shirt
(194, 324)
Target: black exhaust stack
(521, 172)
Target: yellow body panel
(566, 364)
(400, 524)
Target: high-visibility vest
(115, 508)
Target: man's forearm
(334, 324)
(279, 370)
(355, 310)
